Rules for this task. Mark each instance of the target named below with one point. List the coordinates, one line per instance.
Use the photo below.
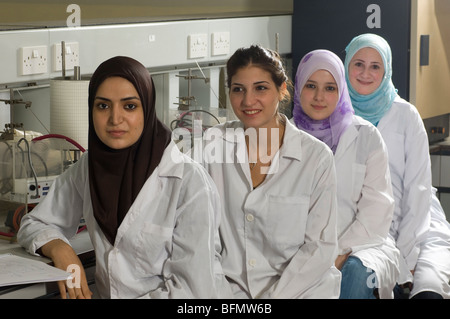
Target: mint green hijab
(373, 106)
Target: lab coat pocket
(287, 218)
(154, 244)
(358, 176)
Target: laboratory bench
(440, 146)
(440, 169)
(48, 290)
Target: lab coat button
(250, 217)
(252, 262)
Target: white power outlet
(197, 46)
(220, 43)
(72, 56)
(33, 60)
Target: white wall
(97, 43)
(165, 57)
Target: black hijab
(117, 176)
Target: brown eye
(130, 106)
(102, 106)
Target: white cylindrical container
(69, 109)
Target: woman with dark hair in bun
(277, 186)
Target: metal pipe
(189, 87)
(11, 108)
(76, 73)
(63, 58)
(24, 88)
(277, 42)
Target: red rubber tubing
(68, 139)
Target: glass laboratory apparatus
(29, 163)
(202, 104)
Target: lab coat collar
(347, 138)
(382, 123)
(292, 144)
(172, 162)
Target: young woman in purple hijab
(151, 212)
(368, 258)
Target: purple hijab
(330, 129)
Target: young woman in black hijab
(149, 209)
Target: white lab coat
(432, 272)
(165, 246)
(366, 203)
(406, 139)
(279, 239)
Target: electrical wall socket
(197, 46)
(72, 56)
(220, 43)
(33, 60)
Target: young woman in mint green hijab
(419, 225)
(372, 92)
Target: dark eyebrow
(124, 99)
(256, 83)
(259, 82)
(373, 62)
(328, 83)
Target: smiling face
(117, 113)
(255, 97)
(366, 71)
(319, 95)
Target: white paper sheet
(15, 270)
